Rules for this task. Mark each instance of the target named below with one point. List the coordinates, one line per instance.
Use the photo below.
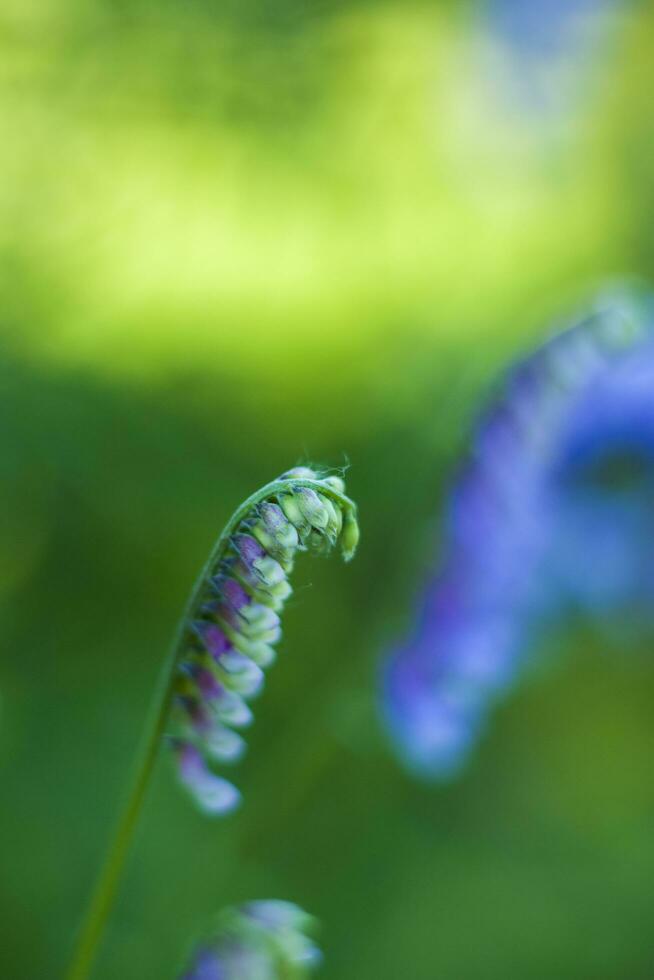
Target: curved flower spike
(265, 940)
(232, 622)
(552, 510)
(224, 642)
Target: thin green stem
(107, 884)
(104, 894)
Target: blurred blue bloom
(265, 940)
(553, 512)
(543, 26)
(548, 45)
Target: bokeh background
(238, 236)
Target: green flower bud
(300, 473)
(257, 620)
(336, 483)
(350, 536)
(276, 534)
(273, 596)
(335, 523)
(269, 571)
(247, 638)
(257, 649)
(291, 507)
(312, 507)
(238, 673)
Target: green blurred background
(237, 236)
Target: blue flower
(553, 511)
(547, 48)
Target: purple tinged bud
(312, 508)
(273, 519)
(254, 640)
(213, 638)
(232, 593)
(227, 706)
(207, 684)
(232, 600)
(249, 549)
(218, 742)
(229, 620)
(214, 796)
(199, 718)
(256, 567)
(276, 534)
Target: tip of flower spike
(320, 518)
(300, 473)
(336, 483)
(308, 473)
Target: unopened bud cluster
(231, 637)
(266, 940)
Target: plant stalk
(104, 894)
(106, 887)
